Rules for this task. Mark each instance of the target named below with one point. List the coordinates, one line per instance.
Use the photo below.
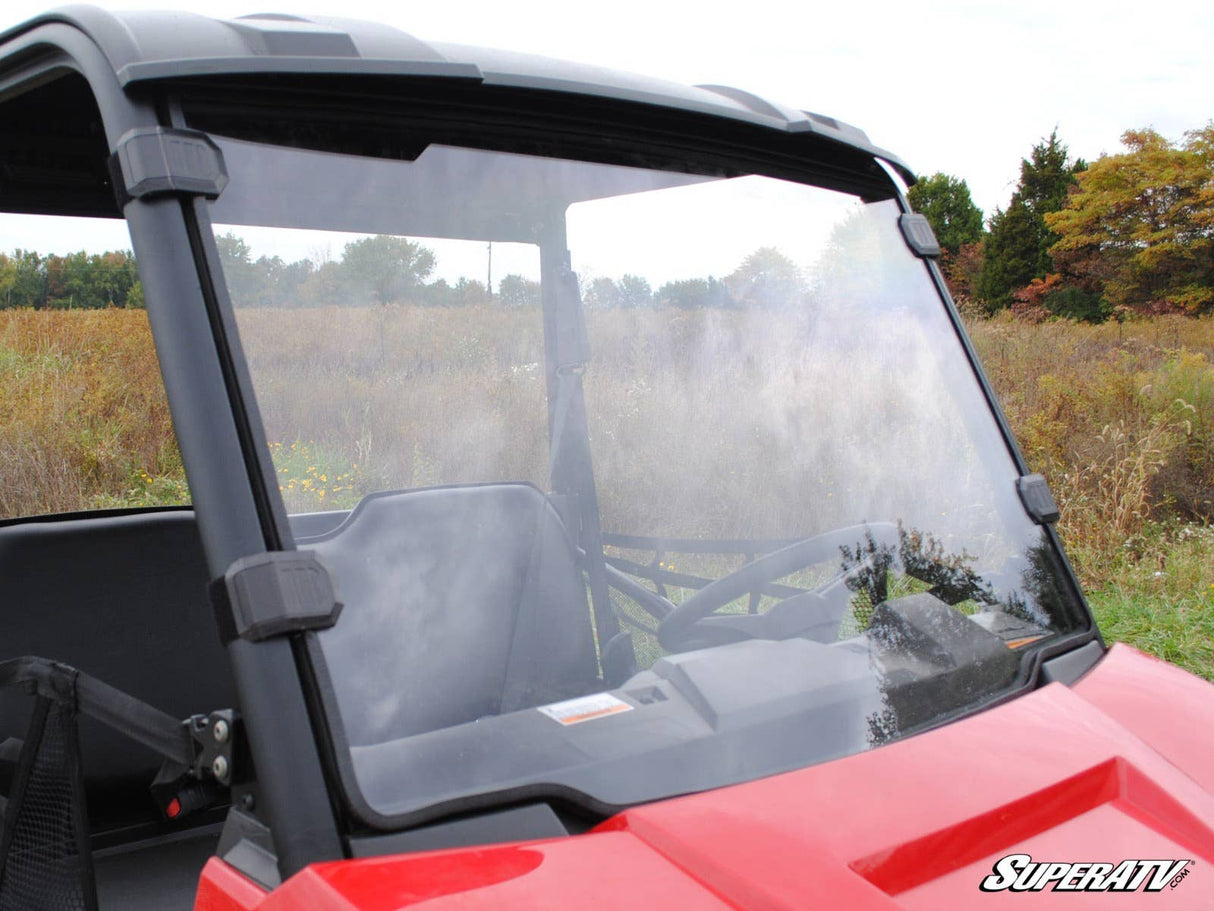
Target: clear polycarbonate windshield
(632, 481)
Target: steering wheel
(684, 627)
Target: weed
(314, 480)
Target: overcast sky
(960, 87)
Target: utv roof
(145, 47)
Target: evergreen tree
(1009, 255)
(1017, 247)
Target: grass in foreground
(1161, 601)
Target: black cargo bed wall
(122, 598)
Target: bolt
(219, 767)
(220, 731)
(248, 801)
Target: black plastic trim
(1038, 501)
(246, 844)
(528, 822)
(276, 592)
(919, 236)
(155, 161)
(86, 514)
(1068, 667)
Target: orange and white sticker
(585, 708)
(1023, 640)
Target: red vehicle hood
(1120, 766)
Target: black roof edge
(150, 47)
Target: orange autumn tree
(1139, 228)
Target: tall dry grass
(1120, 418)
(398, 397)
(83, 418)
(704, 423)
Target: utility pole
(489, 274)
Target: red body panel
(1120, 766)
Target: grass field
(1120, 418)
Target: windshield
(633, 482)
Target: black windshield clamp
(273, 593)
(1038, 501)
(919, 236)
(160, 161)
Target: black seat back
(460, 602)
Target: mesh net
(44, 853)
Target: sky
(961, 87)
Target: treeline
(377, 270)
(372, 270)
(78, 280)
(1130, 233)
(385, 269)
(765, 278)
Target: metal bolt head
(220, 731)
(219, 767)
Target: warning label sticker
(585, 708)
